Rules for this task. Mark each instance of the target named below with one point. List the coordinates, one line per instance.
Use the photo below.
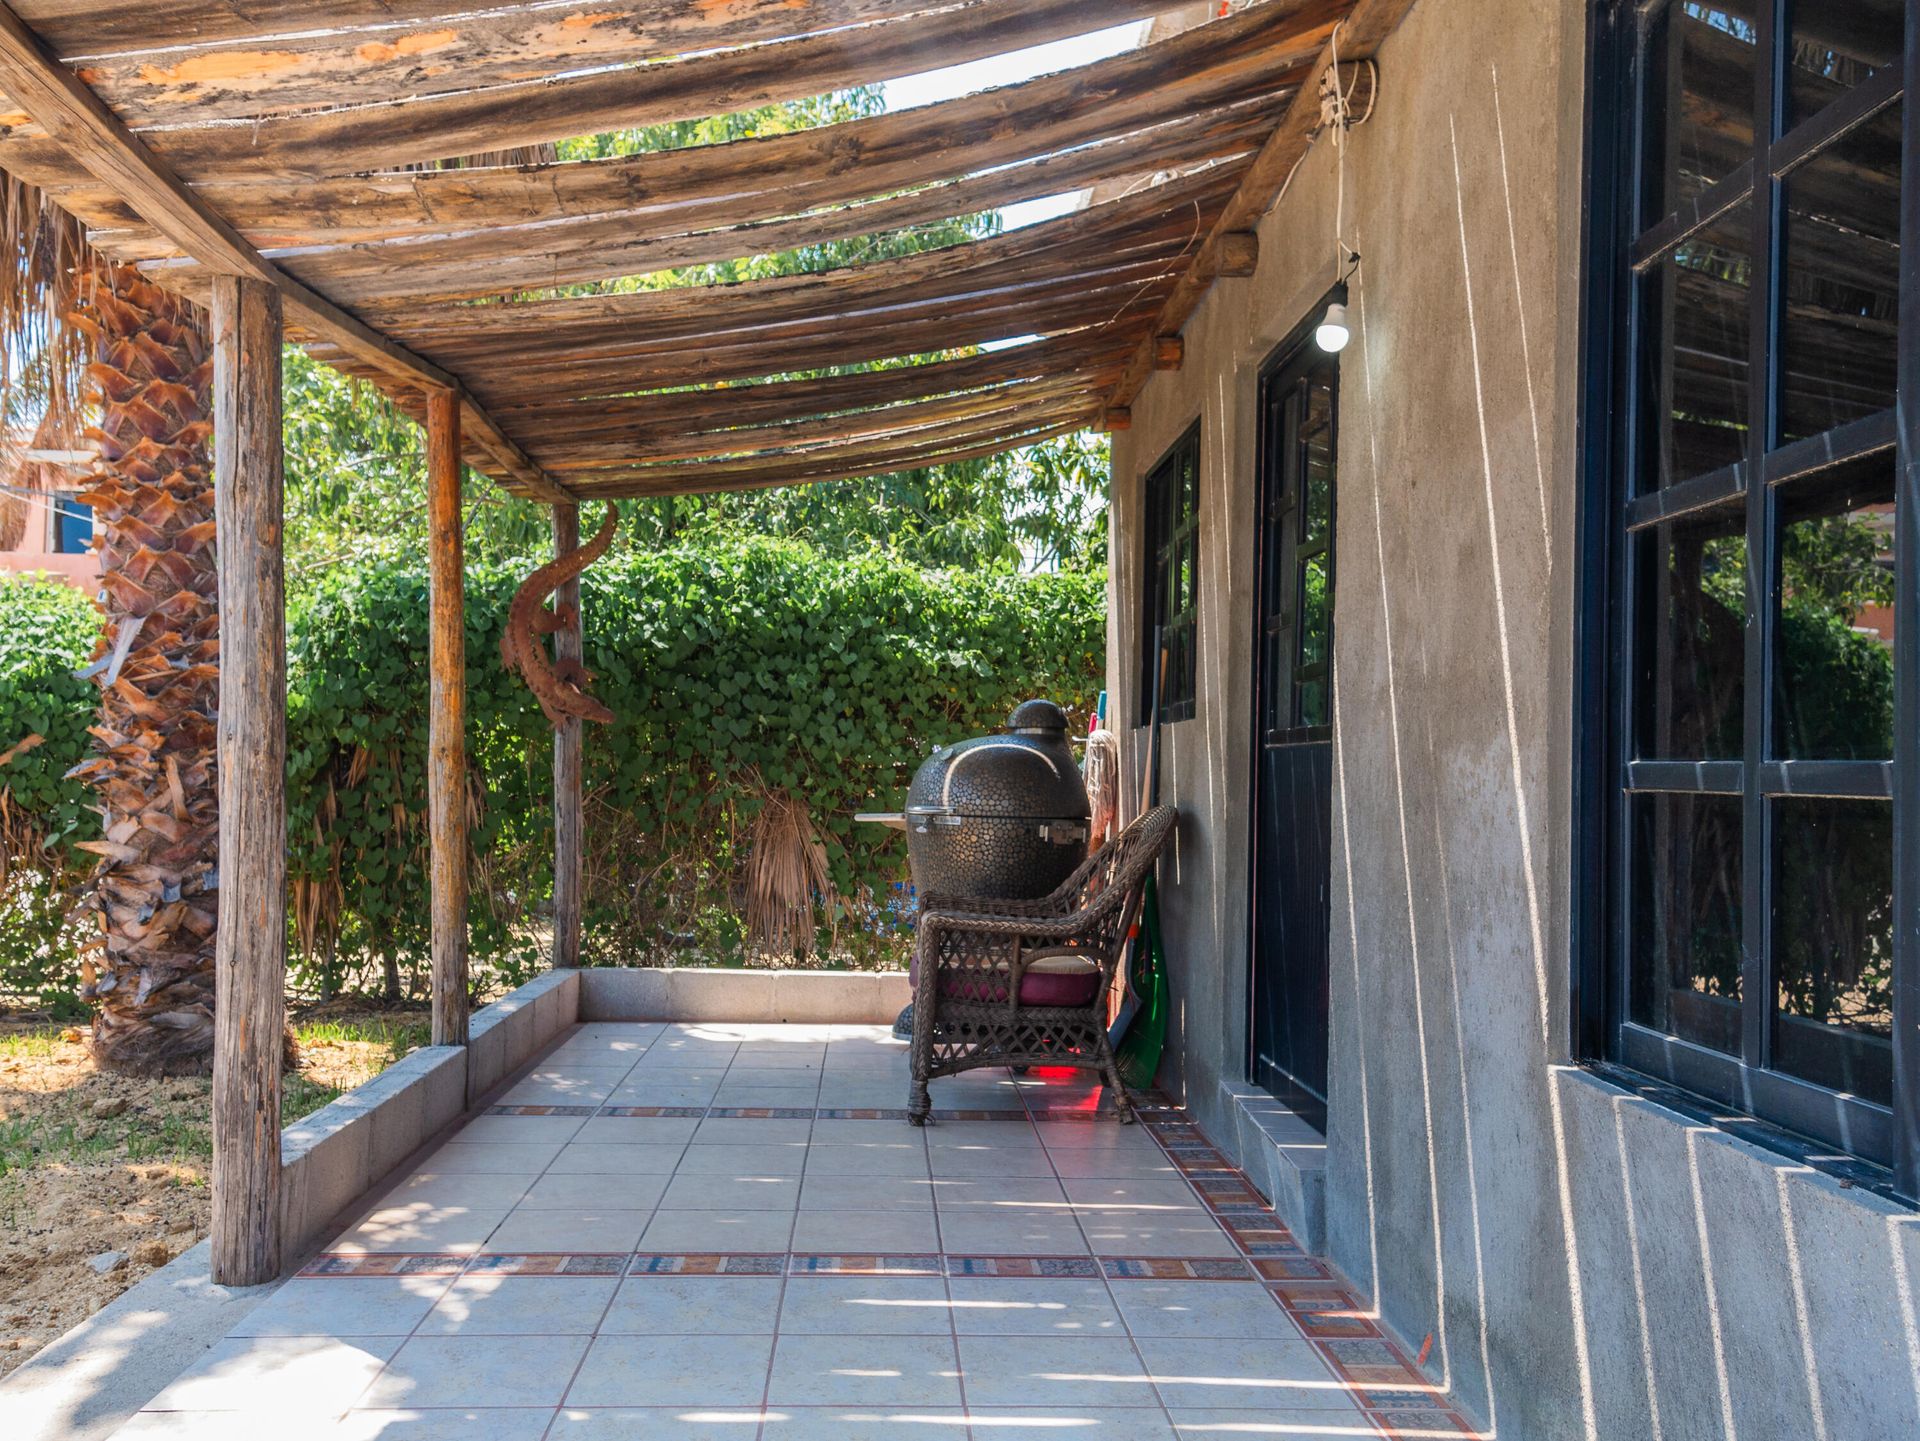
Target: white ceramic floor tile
(902, 1159)
(694, 1306)
(414, 1227)
(1054, 1371)
(751, 1131)
(699, 1232)
(565, 1191)
(864, 1423)
(1196, 1423)
(978, 1161)
(298, 1375)
(356, 1306)
(656, 1423)
(1133, 1193)
(699, 1371)
(873, 1193)
(576, 1231)
(1202, 1308)
(990, 1233)
(864, 1371)
(1092, 1135)
(225, 1426)
(878, 1232)
(865, 1306)
(1080, 1423)
(601, 1158)
(1011, 1194)
(479, 1371)
(638, 1130)
(1155, 1233)
(835, 1131)
(501, 1157)
(699, 1191)
(480, 1191)
(522, 1128)
(1076, 1163)
(786, 1159)
(1039, 1306)
(786, 1098)
(520, 1306)
(1251, 1375)
(497, 1423)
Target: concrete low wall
(334, 1157)
(89, 1382)
(643, 993)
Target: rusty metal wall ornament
(560, 689)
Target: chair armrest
(1028, 928)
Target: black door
(1293, 700)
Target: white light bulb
(1332, 335)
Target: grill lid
(1027, 772)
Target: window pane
(1834, 687)
(1316, 611)
(1699, 98)
(1313, 703)
(1317, 463)
(1685, 961)
(1835, 47)
(1833, 945)
(1692, 640)
(1696, 317)
(1839, 330)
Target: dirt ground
(104, 1178)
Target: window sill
(1850, 1173)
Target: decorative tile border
(384, 1264)
(1396, 1398)
(541, 1110)
(654, 1264)
(1050, 1267)
(549, 1264)
(865, 1266)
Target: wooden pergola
(249, 156)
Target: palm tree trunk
(151, 488)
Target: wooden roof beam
(81, 122)
(1225, 250)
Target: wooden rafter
(202, 137)
(1360, 34)
(59, 100)
(465, 122)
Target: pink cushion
(1043, 987)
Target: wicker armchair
(1024, 983)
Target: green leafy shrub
(737, 670)
(47, 632)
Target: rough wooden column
(447, 748)
(250, 957)
(568, 824)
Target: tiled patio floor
(730, 1233)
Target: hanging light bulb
(1332, 335)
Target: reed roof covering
(296, 139)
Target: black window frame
(1170, 533)
(1620, 244)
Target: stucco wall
(1587, 1265)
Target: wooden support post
(447, 749)
(568, 824)
(250, 955)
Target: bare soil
(93, 1164)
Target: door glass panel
(1684, 976)
(1317, 463)
(1833, 945)
(1699, 99)
(1834, 688)
(1696, 321)
(1840, 317)
(1835, 47)
(1692, 641)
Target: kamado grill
(1003, 817)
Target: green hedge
(735, 671)
(47, 632)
